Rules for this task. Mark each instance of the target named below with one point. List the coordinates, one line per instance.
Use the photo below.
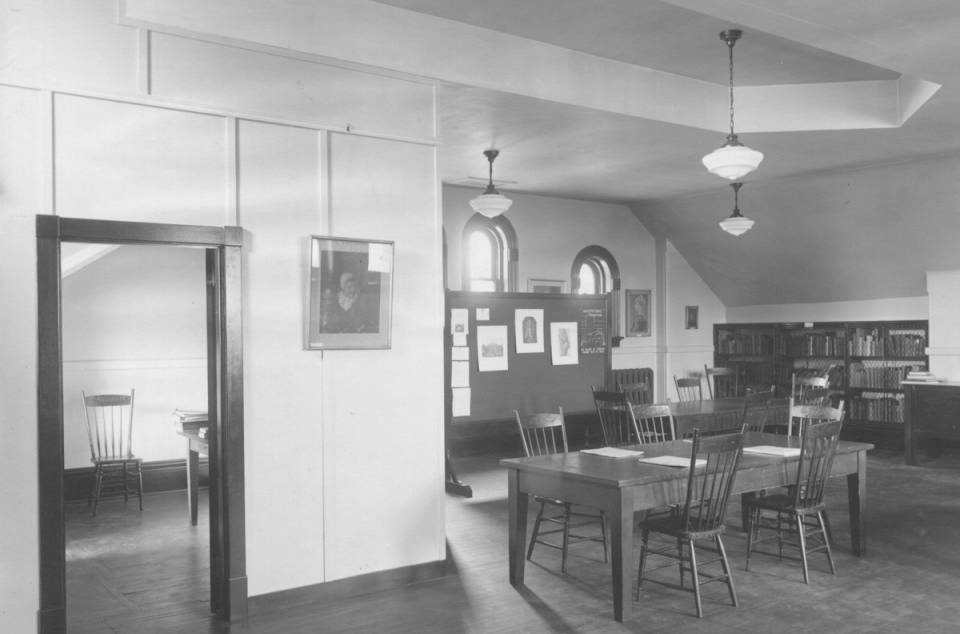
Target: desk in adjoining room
(193, 426)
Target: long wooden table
(621, 487)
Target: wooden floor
(907, 583)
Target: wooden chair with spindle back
(688, 388)
(109, 420)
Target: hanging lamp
(491, 203)
(733, 160)
(736, 224)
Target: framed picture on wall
(638, 313)
(691, 320)
(546, 286)
(350, 293)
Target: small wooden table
(621, 487)
(196, 445)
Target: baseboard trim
(348, 588)
(158, 475)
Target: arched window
(595, 272)
(489, 255)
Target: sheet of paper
(672, 461)
(380, 257)
(459, 374)
(459, 338)
(771, 450)
(461, 401)
(613, 452)
(483, 314)
(459, 320)
(460, 353)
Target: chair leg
(603, 533)
(98, 483)
(753, 527)
(644, 536)
(696, 577)
(826, 540)
(123, 472)
(140, 483)
(803, 547)
(566, 537)
(536, 531)
(726, 571)
(680, 559)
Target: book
(612, 452)
(771, 450)
(672, 461)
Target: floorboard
(907, 583)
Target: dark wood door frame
(228, 577)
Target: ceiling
(622, 98)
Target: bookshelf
(866, 360)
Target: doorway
(228, 582)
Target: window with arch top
(489, 255)
(595, 272)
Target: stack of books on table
(918, 375)
(190, 420)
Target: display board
(532, 352)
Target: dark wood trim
(158, 475)
(225, 376)
(350, 587)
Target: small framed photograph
(564, 347)
(350, 293)
(528, 327)
(691, 319)
(638, 313)
(546, 286)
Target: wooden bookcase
(866, 360)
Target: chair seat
(104, 460)
(784, 503)
(672, 524)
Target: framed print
(528, 327)
(491, 348)
(691, 319)
(546, 286)
(563, 343)
(638, 313)
(350, 293)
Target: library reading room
(458, 317)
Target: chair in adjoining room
(722, 382)
(109, 420)
(655, 423)
(688, 388)
(713, 467)
(637, 393)
(800, 511)
(803, 415)
(543, 434)
(617, 421)
(808, 390)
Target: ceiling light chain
(491, 203)
(733, 160)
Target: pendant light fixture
(491, 203)
(733, 160)
(736, 224)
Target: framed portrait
(350, 293)
(528, 327)
(546, 286)
(638, 313)
(691, 318)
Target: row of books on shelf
(887, 376)
(817, 345)
(745, 344)
(908, 343)
(884, 408)
(899, 343)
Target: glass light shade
(732, 161)
(736, 224)
(491, 205)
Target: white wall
(93, 135)
(943, 288)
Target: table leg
(193, 481)
(621, 556)
(857, 495)
(745, 499)
(517, 502)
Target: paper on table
(771, 450)
(672, 461)
(613, 452)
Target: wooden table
(705, 414)
(621, 487)
(196, 445)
